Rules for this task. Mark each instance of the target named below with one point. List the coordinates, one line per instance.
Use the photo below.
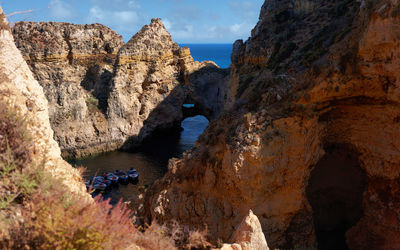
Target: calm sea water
(219, 53)
(151, 159)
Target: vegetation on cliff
(37, 211)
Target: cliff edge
(309, 143)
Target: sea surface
(151, 159)
(219, 53)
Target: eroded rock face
(74, 64)
(105, 95)
(149, 86)
(19, 89)
(315, 78)
(249, 235)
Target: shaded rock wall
(312, 76)
(105, 94)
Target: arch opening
(192, 128)
(334, 191)
(192, 110)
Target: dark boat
(122, 176)
(133, 174)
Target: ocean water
(150, 160)
(219, 53)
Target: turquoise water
(219, 53)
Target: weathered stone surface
(74, 64)
(146, 93)
(315, 78)
(249, 234)
(19, 88)
(103, 94)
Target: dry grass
(36, 211)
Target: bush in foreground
(37, 212)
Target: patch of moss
(92, 104)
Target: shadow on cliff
(159, 137)
(97, 81)
(160, 134)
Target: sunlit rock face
(105, 94)
(22, 93)
(74, 64)
(315, 95)
(148, 89)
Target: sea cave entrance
(335, 193)
(150, 159)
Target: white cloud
(124, 17)
(241, 30)
(167, 24)
(133, 4)
(61, 10)
(96, 14)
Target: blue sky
(188, 21)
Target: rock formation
(19, 89)
(74, 65)
(310, 140)
(104, 94)
(249, 235)
(147, 90)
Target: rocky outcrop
(249, 235)
(104, 94)
(310, 139)
(21, 91)
(148, 88)
(74, 65)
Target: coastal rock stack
(146, 92)
(310, 141)
(105, 94)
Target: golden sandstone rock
(19, 89)
(310, 143)
(105, 94)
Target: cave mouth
(335, 191)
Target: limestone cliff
(310, 141)
(105, 94)
(146, 92)
(20, 90)
(74, 65)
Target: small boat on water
(133, 174)
(102, 179)
(112, 177)
(122, 176)
(100, 186)
(98, 183)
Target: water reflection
(151, 159)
